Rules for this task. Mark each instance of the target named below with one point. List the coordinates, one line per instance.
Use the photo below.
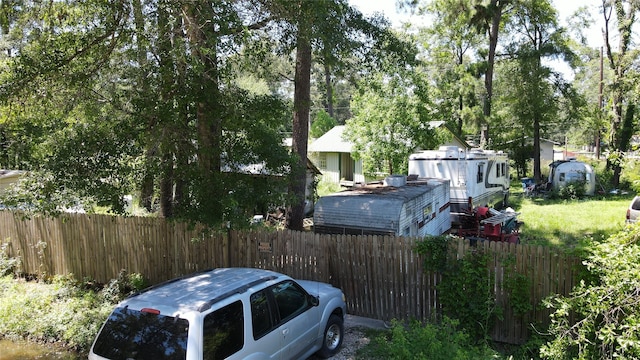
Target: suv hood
(318, 288)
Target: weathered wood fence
(382, 276)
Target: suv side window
(291, 300)
(223, 332)
(260, 314)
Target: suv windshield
(132, 334)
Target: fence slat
(381, 276)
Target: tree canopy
(187, 105)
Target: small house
(331, 153)
(397, 206)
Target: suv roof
(199, 291)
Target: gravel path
(354, 337)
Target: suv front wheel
(333, 336)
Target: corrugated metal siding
(358, 211)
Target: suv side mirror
(314, 300)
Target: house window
(322, 161)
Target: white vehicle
(564, 172)
(233, 313)
(477, 177)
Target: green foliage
(124, 285)
(389, 121)
(600, 319)
(321, 124)
(467, 289)
(466, 293)
(326, 187)
(435, 251)
(443, 341)
(569, 225)
(517, 286)
(572, 191)
(8, 265)
(62, 309)
(57, 312)
(630, 177)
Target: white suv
(633, 212)
(233, 313)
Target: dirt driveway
(354, 337)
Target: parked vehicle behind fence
(232, 313)
(633, 211)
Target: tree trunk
(203, 46)
(165, 113)
(147, 186)
(537, 171)
(497, 7)
(329, 89)
(301, 105)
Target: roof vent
(395, 180)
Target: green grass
(569, 224)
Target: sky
(565, 9)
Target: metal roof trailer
(396, 206)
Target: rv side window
(480, 173)
(504, 169)
(426, 212)
(498, 170)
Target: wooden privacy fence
(382, 276)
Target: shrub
(62, 310)
(321, 124)
(424, 341)
(600, 319)
(467, 290)
(8, 265)
(571, 191)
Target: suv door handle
(285, 332)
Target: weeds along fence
(382, 276)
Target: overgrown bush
(573, 190)
(61, 310)
(444, 341)
(600, 319)
(467, 290)
(8, 265)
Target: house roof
(332, 141)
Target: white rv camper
(477, 177)
(563, 172)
